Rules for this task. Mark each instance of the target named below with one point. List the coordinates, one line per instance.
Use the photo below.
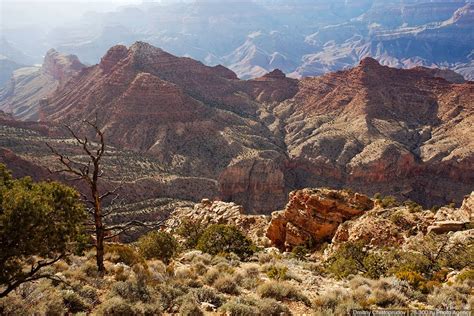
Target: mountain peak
(140, 47)
(275, 74)
(369, 62)
(60, 65)
(113, 55)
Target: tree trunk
(100, 248)
(99, 227)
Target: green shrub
(277, 272)
(413, 278)
(389, 201)
(225, 239)
(413, 207)
(403, 261)
(374, 265)
(191, 231)
(299, 252)
(281, 291)
(347, 260)
(158, 245)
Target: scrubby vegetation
(196, 270)
(223, 239)
(158, 245)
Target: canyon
(302, 38)
(180, 129)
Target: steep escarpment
(22, 95)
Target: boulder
(314, 215)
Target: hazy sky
(50, 13)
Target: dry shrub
(451, 297)
(116, 306)
(226, 284)
(211, 276)
(281, 291)
(207, 294)
(189, 307)
(388, 298)
(74, 302)
(250, 306)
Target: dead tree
(90, 172)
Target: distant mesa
(27, 86)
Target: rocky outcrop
(378, 129)
(217, 212)
(449, 219)
(396, 226)
(198, 121)
(258, 184)
(446, 74)
(314, 215)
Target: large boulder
(314, 215)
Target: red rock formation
(60, 66)
(380, 129)
(371, 128)
(314, 215)
(197, 120)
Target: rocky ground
(405, 258)
(272, 281)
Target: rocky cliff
(312, 216)
(316, 216)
